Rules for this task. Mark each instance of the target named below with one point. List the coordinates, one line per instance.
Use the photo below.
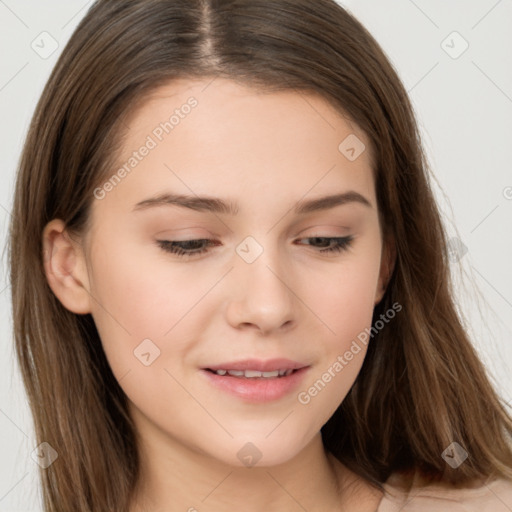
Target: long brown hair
(421, 386)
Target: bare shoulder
(492, 495)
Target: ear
(387, 264)
(65, 268)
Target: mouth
(254, 374)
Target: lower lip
(257, 389)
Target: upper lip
(260, 365)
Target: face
(177, 289)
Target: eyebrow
(217, 205)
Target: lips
(257, 389)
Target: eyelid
(177, 232)
(341, 245)
(213, 238)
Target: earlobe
(65, 268)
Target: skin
(267, 152)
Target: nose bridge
(264, 297)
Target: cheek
(344, 298)
(146, 324)
(137, 299)
(345, 307)
(138, 289)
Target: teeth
(255, 374)
(236, 373)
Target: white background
(464, 106)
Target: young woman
(230, 278)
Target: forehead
(217, 137)
(231, 112)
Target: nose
(261, 294)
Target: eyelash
(173, 246)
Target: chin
(259, 451)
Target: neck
(176, 478)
